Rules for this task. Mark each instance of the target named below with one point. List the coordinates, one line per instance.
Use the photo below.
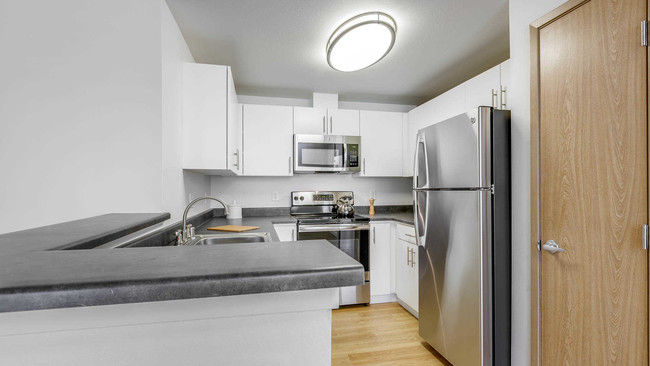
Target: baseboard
(408, 308)
(378, 299)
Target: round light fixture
(361, 41)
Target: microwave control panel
(353, 155)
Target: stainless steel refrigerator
(461, 192)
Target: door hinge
(492, 189)
(644, 237)
(539, 245)
(644, 33)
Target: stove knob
(302, 198)
(295, 198)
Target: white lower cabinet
(286, 232)
(380, 258)
(406, 268)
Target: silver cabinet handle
(374, 235)
(552, 247)
(293, 234)
(237, 155)
(364, 165)
(290, 165)
(503, 97)
(494, 96)
(413, 258)
(331, 133)
(324, 126)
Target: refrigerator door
(454, 274)
(455, 153)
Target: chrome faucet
(187, 232)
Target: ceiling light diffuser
(361, 41)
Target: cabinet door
(234, 127)
(483, 89)
(401, 270)
(381, 144)
(380, 275)
(204, 116)
(505, 83)
(268, 140)
(310, 120)
(285, 232)
(343, 122)
(411, 298)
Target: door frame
(535, 225)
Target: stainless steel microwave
(326, 153)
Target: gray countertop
(35, 275)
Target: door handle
(290, 165)
(494, 96)
(364, 165)
(237, 155)
(408, 257)
(552, 247)
(374, 235)
(324, 126)
(331, 133)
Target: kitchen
(118, 115)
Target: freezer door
(455, 153)
(454, 267)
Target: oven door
(325, 153)
(353, 240)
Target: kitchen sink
(229, 239)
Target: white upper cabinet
(483, 89)
(343, 122)
(211, 120)
(268, 140)
(381, 144)
(310, 120)
(505, 83)
(321, 121)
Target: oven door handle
(321, 228)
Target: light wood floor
(381, 334)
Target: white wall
(522, 13)
(80, 110)
(88, 112)
(176, 183)
(258, 191)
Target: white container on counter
(234, 211)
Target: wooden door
(593, 185)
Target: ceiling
(277, 47)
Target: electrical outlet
(276, 196)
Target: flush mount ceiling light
(361, 41)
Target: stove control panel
(318, 198)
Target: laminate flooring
(380, 334)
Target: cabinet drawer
(406, 233)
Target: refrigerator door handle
(485, 237)
(420, 233)
(420, 150)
